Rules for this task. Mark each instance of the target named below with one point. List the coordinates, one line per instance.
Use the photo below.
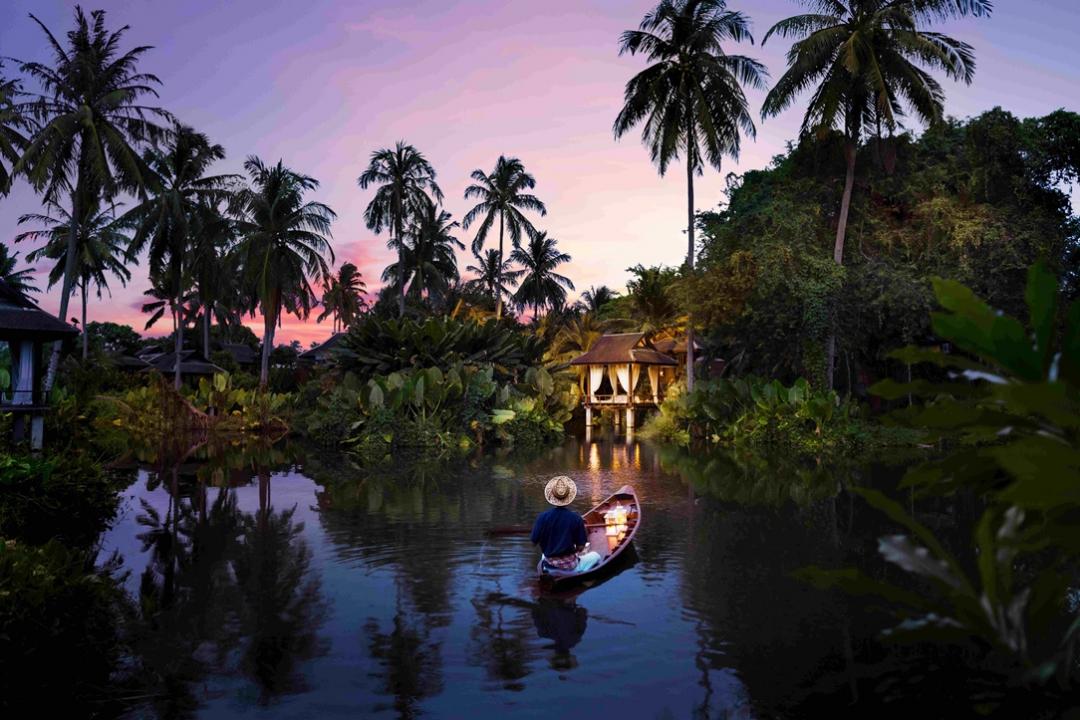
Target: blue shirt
(558, 532)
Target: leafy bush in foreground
(64, 496)
(1013, 393)
(753, 411)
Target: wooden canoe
(609, 547)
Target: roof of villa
(191, 363)
(21, 318)
(323, 351)
(622, 348)
(241, 353)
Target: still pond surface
(303, 586)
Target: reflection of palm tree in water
(411, 664)
(217, 580)
(280, 597)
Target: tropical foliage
(20, 280)
(380, 347)
(90, 120)
(975, 202)
(343, 297)
(863, 61)
(284, 245)
(540, 286)
(1009, 406)
(691, 99)
(404, 178)
(501, 193)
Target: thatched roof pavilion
(25, 328)
(613, 369)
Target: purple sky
(321, 84)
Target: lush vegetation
(1008, 407)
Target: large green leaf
(1041, 296)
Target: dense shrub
(380, 347)
(60, 616)
(753, 411)
(64, 496)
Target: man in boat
(560, 532)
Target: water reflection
(225, 591)
(305, 584)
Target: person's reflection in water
(563, 622)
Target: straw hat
(560, 491)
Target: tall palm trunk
(690, 267)
(838, 253)
(178, 323)
(69, 283)
(398, 222)
(270, 312)
(498, 271)
(85, 331)
(206, 330)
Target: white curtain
(613, 378)
(654, 381)
(596, 376)
(635, 378)
(623, 372)
(23, 366)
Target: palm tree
(343, 297)
(101, 247)
(284, 245)
(89, 123)
(651, 305)
(178, 212)
(403, 175)
(541, 286)
(691, 98)
(595, 298)
(502, 193)
(863, 57)
(13, 124)
(20, 280)
(427, 251)
(213, 271)
(493, 275)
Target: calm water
(312, 588)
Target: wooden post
(630, 417)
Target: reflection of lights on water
(637, 457)
(594, 456)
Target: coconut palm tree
(862, 59)
(493, 275)
(20, 280)
(101, 246)
(212, 268)
(178, 212)
(404, 176)
(502, 193)
(90, 121)
(541, 286)
(691, 99)
(284, 246)
(595, 298)
(343, 297)
(427, 249)
(14, 123)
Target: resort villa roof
(22, 319)
(622, 348)
(191, 363)
(242, 354)
(323, 352)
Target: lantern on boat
(615, 522)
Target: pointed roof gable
(622, 348)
